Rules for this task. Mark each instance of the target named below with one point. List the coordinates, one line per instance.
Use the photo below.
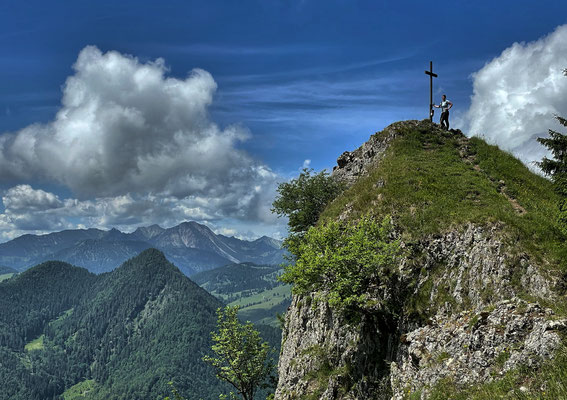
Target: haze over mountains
(192, 247)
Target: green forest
(67, 333)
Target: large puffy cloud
(517, 94)
(134, 146)
(126, 127)
(29, 209)
(24, 197)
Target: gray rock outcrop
(475, 347)
(352, 165)
(478, 328)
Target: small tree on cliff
(303, 199)
(241, 356)
(557, 167)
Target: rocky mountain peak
(480, 279)
(192, 247)
(268, 241)
(149, 232)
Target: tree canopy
(241, 356)
(557, 167)
(346, 261)
(303, 199)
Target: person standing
(445, 106)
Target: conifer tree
(557, 167)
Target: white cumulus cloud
(134, 146)
(24, 197)
(517, 94)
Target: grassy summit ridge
(460, 293)
(431, 180)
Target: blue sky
(286, 81)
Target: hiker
(445, 106)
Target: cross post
(431, 76)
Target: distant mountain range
(192, 247)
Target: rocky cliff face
(351, 165)
(325, 357)
(471, 283)
(472, 308)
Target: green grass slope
(431, 180)
(7, 270)
(5, 277)
(229, 282)
(264, 306)
(6, 273)
(81, 390)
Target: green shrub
(303, 199)
(345, 261)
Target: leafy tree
(174, 392)
(557, 167)
(241, 356)
(303, 199)
(346, 262)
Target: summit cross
(431, 76)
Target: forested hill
(36, 296)
(7, 270)
(119, 335)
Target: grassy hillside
(7, 270)
(36, 344)
(264, 306)
(431, 180)
(255, 288)
(81, 390)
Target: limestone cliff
(481, 286)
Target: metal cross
(431, 76)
